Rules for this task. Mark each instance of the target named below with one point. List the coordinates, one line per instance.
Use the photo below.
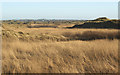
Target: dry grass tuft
(91, 35)
(99, 56)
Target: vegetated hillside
(100, 23)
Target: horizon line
(54, 19)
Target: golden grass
(92, 35)
(59, 34)
(99, 56)
(58, 31)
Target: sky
(59, 10)
(59, 0)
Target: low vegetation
(100, 56)
(92, 35)
(59, 49)
(64, 36)
(100, 23)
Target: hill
(102, 19)
(100, 23)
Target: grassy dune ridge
(60, 34)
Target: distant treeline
(41, 21)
